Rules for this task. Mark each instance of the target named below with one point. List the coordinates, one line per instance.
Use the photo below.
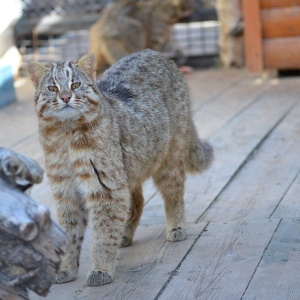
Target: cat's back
(143, 75)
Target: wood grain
(233, 144)
(253, 35)
(278, 3)
(222, 261)
(203, 85)
(146, 265)
(282, 53)
(289, 206)
(277, 276)
(259, 187)
(281, 22)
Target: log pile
(31, 244)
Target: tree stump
(31, 244)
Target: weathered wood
(143, 269)
(233, 144)
(203, 85)
(278, 3)
(253, 35)
(282, 53)
(18, 170)
(278, 156)
(289, 206)
(222, 262)
(31, 244)
(277, 276)
(214, 115)
(281, 22)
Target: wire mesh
(195, 39)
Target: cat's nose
(66, 98)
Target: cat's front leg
(110, 213)
(73, 217)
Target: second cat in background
(129, 26)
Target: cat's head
(66, 89)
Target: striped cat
(103, 140)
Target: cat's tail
(200, 155)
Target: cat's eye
(53, 88)
(75, 85)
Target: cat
(103, 140)
(231, 40)
(129, 26)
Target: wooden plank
(278, 3)
(282, 53)
(281, 22)
(277, 276)
(253, 35)
(222, 262)
(216, 113)
(207, 84)
(143, 269)
(233, 144)
(249, 194)
(289, 206)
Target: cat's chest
(68, 150)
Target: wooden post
(253, 35)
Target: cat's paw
(176, 234)
(64, 276)
(126, 241)
(98, 278)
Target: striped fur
(105, 141)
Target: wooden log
(31, 244)
(281, 22)
(282, 53)
(253, 35)
(278, 3)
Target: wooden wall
(272, 34)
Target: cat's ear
(36, 71)
(88, 64)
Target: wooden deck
(243, 214)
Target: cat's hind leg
(170, 181)
(137, 204)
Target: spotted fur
(101, 142)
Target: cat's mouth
(68, 112)
(67, 106)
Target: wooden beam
(278, 3)
(253, 35)
(281, 22)
(282, 53)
